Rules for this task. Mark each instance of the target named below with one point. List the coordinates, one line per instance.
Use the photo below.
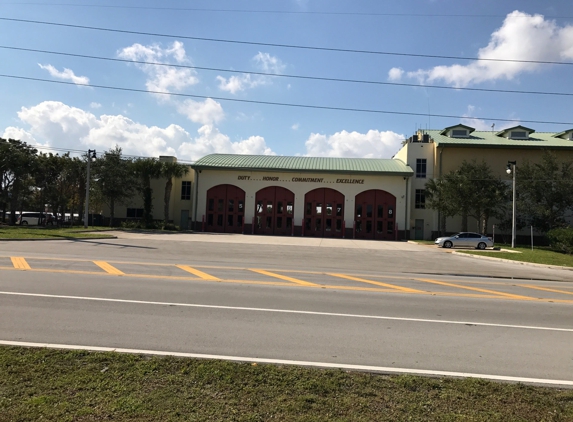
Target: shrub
(561, 240)
(171, 227)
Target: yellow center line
(476, 289)
(377, 283)
(283, 277)
(110, 269)
(545, 289)
(20, 263)
(198, 273)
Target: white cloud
(374, 144)
(210, 141)
(521, 37)
(55, 124)
(95, 105)
(162, 78)
(395, 74)
(263, 62)
(295, 126)
(66, 74)
(205, 112)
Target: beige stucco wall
(252, 181)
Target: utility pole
(91, 154)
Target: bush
(170, 227)
(561, 240)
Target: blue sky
(83, 117)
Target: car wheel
(447, 244)
(481, 245)
(24, 223)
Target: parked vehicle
(35, 219)
(465, 239)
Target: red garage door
(375, 215)
(274, 209)
(323, 213)
(225, 209)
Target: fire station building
(301, 196)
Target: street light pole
(511, 168)
(91, 154)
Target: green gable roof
(492, 140)
(306, 164)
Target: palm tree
(145, 170)
(169, 171)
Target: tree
(146, 169)
(471, 190)
(114, 179)
(169, 171)
(17, 164)
(545, 192)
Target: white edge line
(381, 369)
(287, 311)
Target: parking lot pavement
(273, 240)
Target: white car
(465, 239)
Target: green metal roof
(491, 140)
(298, 164)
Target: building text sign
(303, 180)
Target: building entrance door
(323, 213)
(184, 220)
(225, 209)
(419, 230)
(374, 215)
(274, 209)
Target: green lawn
(52, 385)
(538, 255)
(16, 232)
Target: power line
(316, 78)
(309, 106)
(285, 12)
(301, 47)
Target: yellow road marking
(20, 263)
(476, 289)
(377, 283)
(545, 288)
(198, 273)
(283, 277)
(110, 269)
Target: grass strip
(536, 256)
(11, 232)
(55, 385)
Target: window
(421, 168)
(459, 133)
(185, 191)
(518, 134)
(420, 199)
(134, 213)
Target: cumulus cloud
(55, 124)
(395, 74)
(205, 112)
(210, 141)
(162, 78)
(521, 37)
(263, 62)
(373, 144)
(66, 74)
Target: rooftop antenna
(492, 127)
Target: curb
(554, 267)
(58, 238)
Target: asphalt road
(375, 304)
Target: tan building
(437, 152)
(380, 199)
